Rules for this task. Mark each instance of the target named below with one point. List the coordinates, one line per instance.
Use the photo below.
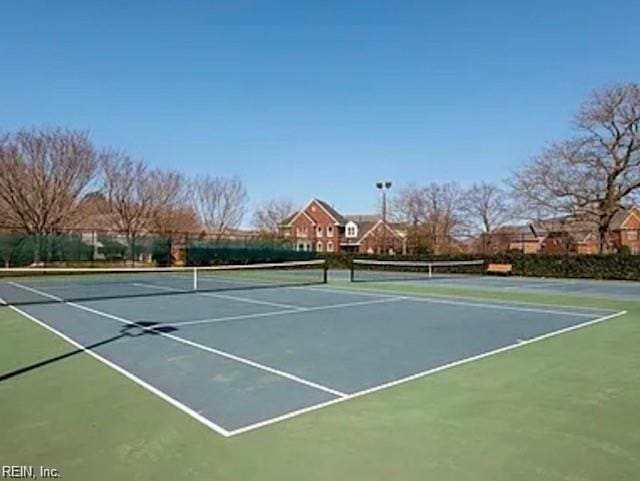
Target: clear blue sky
(305, 98)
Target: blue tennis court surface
(627, 290)
(577, 287)
(239, 360)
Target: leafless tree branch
(594, 174)
(44, 174)
(269, 215)
(220, 203)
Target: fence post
(523, 253)
(132, 249)
(94, 246)
(186, 249)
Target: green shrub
(592, 266)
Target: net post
(195, 278)
(352, 274)
(430, 270)
(325, 272)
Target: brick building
(581, 236)
(563, 235)
(319, 227)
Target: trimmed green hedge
(590, 266)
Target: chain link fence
(82, 247)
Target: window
(301, 247)
(329, 246)
(351, 229)
(319, 231)
(330, 231)
(319, 246)
(632, 235)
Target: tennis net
(365, 270)
(45, 285)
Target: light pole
(383, 186)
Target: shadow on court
(133, 330)
(103, 293)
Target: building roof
(359, 218)
(373, 225)
(621, 216)
(327, 208)
(583, 222)
(520, 233)
(331, 211)
(363, 228)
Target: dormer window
(351, 229)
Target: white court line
(221, 296)
(129, 375)
(519, 343)
(512, 289)
(202, 347)
(530, 288)
(290, 311)
(417, 298)
(430, 299)
(452, 299)
(346, 397)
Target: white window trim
(351, 231)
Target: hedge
(589, 266)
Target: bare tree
(44, 174)
(443, 216)
(127, 192)
(175, 220)
(409, 208)
(220, 202)
(7, 222)
(597, 172)
(486, 206)
(135, 197)
(431, 215)
(269, 215)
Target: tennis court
(470, 275)
(249, 348)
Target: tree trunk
(603, 230)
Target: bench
(504, 269)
